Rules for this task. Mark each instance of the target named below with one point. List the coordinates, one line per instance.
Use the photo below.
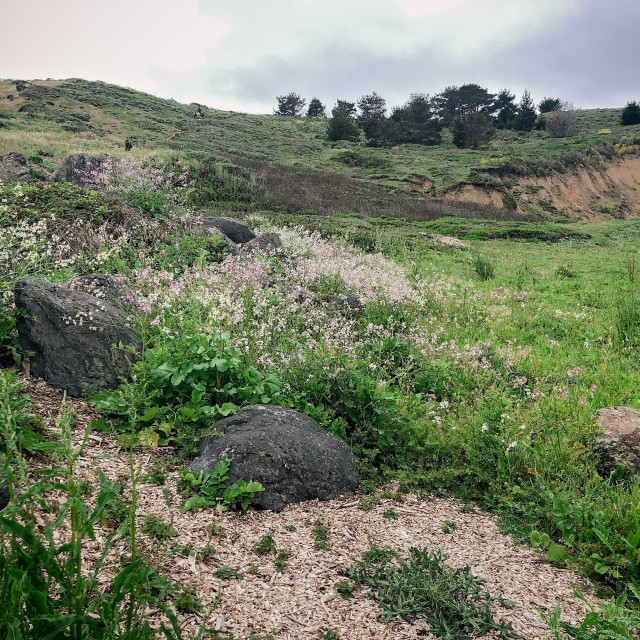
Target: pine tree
(316, 109)
(290, 105)
(343, 125)
(526, 118)
(630, 114)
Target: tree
(472, 130)
(547, 105)
(562, 122)
(506, 109)
(415, 122)
(373, 121)
(290, 105)
(526, 118)
(343, 125)
(458, 101)
(316, 109)
(630, 114)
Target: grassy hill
(290, 159)
(472, 369)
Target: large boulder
(619, 439)
(79, 343)
(235, 230)
(293, 457)
(13, 168)
(82, 169)
(266, 243)
(106, 287)
(198, 227)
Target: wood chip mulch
(301, 601)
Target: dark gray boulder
(197, 227)
(293, 457)
(81, 168)
(266, 243)
(235, 230)
(13, 168)
(79, 342)
(619, 440)
(105, 287)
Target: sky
(240, 54)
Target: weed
(321, 536)
(265, 545)
(345, 589)
(226, 573)
(390, 514)
(186, 600)
(158, 529)
(208, 551)
(451, 600)
(449, 526)
(483, 267)
(156, 474)
(366, 504)
(329, 635)
(291, 527)
(280, 562)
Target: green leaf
(194, 503)
(557, 552)
(601, 568)
(149, 414)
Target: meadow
(474, 370)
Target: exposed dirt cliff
(610, 191)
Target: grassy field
(473, 371)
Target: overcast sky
(240, 54)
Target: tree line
(470, 111)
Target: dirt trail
(587, 194)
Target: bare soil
(588, 194)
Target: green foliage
(316, 109)
(266, 544)
(183, 385)
(483, 267)
(226, 573)
(342, 125)
(290, 105)
(280, 563)
(472, 130)
(213, 489)
(186, 600)
(344, 588)
(320, 533)
(526, 118)
(547, 105)
(451, 600)
(157, 529)
(630, 114)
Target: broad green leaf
(557, 552)
(194, 503)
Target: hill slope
(527, 175)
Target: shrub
(483, 267)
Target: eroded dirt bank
(587, 194)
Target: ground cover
(473, 370)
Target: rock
(81, 168)
(619, 441)
(351, 304)
(73, 336)
(13, 168)
(105, 287)
(296, 293)
(293, 457)
(266, 243)
(4, 493)
(235, 230)
(197, 227)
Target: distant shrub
(483, 267)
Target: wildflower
(564, 394)
(593, 388)
(155, 322)
(512, 445)
(484, 427)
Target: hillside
(591, 175)
(458, 352)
